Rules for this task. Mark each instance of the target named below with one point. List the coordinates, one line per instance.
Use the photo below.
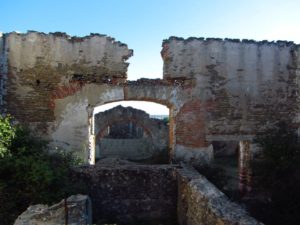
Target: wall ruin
(240, 85)
(130, 193)
(76, 209)
(156, 194)
(200, 202)
(137, 136)
(216, 89)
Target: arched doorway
(129, 133)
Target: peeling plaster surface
(72, 115)
(214, 88)
(242, 82)
(60, 48)
(71, 132)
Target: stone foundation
(201, 203)
(165, 194)
(131, 194)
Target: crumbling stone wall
(152, 143)
(217, 90)
(43, 70)
(234, 88)
(238, 86)
(200, 202)
(130, 194)
(76, 210)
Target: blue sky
(143, 24)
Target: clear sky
(143, 24)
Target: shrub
(7, 133)
(29, 174)
(279, 171)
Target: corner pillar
(91, 136)
(245, 170)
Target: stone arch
(141, 90)
(155, 128)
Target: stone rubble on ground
(78, 212)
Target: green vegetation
(28, 173)
(279, 175)
(7, 133)
(166, 120)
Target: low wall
(131, 194)
(157, 194)
(201, 203)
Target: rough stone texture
(238, 85)
(201, 203)
(126, 193)
(131, 194)
(78, 211)
(43, 70)
(216, 90)
(147, 138)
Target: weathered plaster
(28, 50)
(215, 89)
(244, 81)
(71, 127)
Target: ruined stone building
(215, 89)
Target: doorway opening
(136, 131)
(232, 164)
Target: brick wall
(190, 125)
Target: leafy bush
(7, 133)
(29, 174)
(166, 120)
(279, 172)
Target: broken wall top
(38, 68)
(58, 50)
(189, 58)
